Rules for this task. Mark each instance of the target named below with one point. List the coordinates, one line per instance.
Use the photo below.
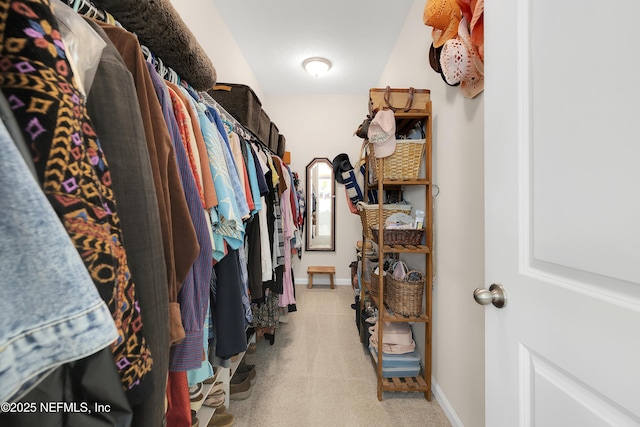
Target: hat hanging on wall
(444, 16)
(341, 164)
(458, 56)
(434, 61)
(461, 64)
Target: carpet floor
(318, 373)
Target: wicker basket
(404, 297)
(399, 236)
(373, 286)
(404, 163)
(369, 215)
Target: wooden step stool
(319, 269)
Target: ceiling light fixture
(316, 66)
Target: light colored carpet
(318, 374)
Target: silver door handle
(494, 295)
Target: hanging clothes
(226, 218)
(241, 201)
(229, 318)
(73, 171)
(288, 228)
(55, 315)
(122, 136)
(178, 233)
(194, 293)
(179, 238)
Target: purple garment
(194, 294)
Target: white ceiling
(275, 36)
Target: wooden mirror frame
(325, 198)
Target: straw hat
(444, 16)
(460, 63)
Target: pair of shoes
(195, 422)
(195, 392)
(217, 388)
(221, 420)
(240, 387)
(246, 369)
(215, 400)
(214, 378)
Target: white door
(562, 141)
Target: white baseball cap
(382, 133)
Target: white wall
(458, 144)
(206, 24)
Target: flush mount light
(317, 67)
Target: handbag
(399, 99)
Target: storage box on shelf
(402, 301)
(264, 128)
(273, 137)
(282, 146)
(241, 102)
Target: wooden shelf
(401, 182)
(405, 122)
(387, 317)
(404, 384)
(418, 249)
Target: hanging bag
(406, 100)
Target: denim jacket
(50, 310)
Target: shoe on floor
(221, 420)
(244, 369)
(221, 409)
(195, 422)
(238, 378)
(240, 390)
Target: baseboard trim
(445, 404)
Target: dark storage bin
(273, 138)
(281, 145)
(264, 128)
(241, 102)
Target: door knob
(494, 295)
